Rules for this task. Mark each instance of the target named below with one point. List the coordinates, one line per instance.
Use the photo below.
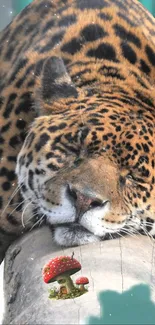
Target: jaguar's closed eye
(130, 176)
(135, 178)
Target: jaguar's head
(90, 168)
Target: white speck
(109, 314)
(2, 159)
(32, 258)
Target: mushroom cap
(82, 280)
(58, 266)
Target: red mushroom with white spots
(81, 281)
(59, 269)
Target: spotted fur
(77, 107)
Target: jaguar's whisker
(22, 217)
(38, 221)
(12, 196)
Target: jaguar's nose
(82, 201)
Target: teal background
(150, 5)
(130, 307)
(18, 5)
(133, 306)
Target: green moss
(54, 294)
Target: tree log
(110, 265)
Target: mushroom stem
(68, 282)
(82, 287)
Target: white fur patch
(93, 220)
(66, 236)
(59, 214)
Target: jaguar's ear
(55, 85)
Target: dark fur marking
(9, 105)
(92, 33)
(30, 28)
(150, 54)
(44, 138)
(9, 174)
(48, 25)
(105, 16)
(72, 47)
(12, 220)
(53, 167)
(12, 158)
(121, 5)
(126, 35)
(1, 202)
(29, 159)
(127, 19)
(25, 103)
(111, 72)
(55, 39)
(29, 139)
(21, 124)
(39, 66)
(67, 21)
(6, 186)
(128, 52)
(6, 127)
(22, 63)
(44, 8)
(54, 128)
(1, 140)
(19, 29)
(1, 102)
(144, 66)
(103, 51)
(9, 53)
(91, 4)
(15, 141)
(20, 81)
(30, 179)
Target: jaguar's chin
(74, 235)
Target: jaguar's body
(84, 72)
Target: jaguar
(77, 121)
